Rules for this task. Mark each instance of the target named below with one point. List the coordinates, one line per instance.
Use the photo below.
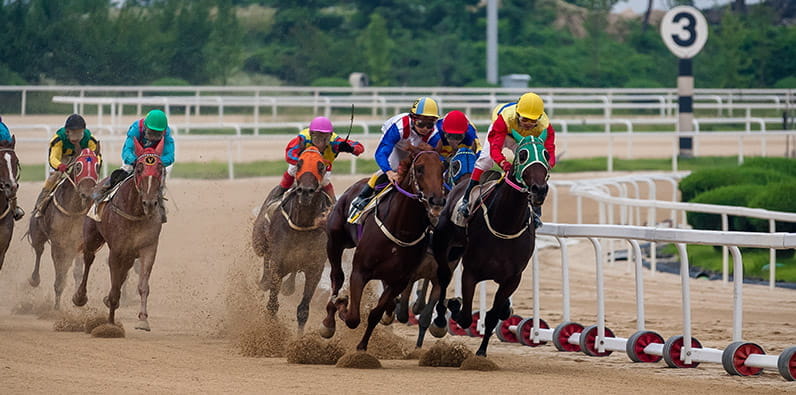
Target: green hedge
(731, 195)
(776, 197)
(708, 179)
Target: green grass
(755, 261)
(218, 170)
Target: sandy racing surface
(205, 270)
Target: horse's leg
(387, 296)
(334, 251)
(499, 308)
(77, 267)
(37, 240)
(289, 284)
(402, 307)
(92, 241)
(441, 248)
(424, 318)
(119, 265)
(273, 288)
(351, 315)
(62, 260)
(311, 280)
(389, 308)
(463, 315)
(420, 302)
(146, 261)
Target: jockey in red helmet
(456, 131)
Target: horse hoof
(34, 281)
(142, 325)
(325, 332)
(438, 332)
(79, 300)
(387, 319)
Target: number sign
(684, 31)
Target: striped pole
(685, 101)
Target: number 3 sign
(685, 31)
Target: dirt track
(206, 242)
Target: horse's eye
(78, 168)
(419, 170)
(523, 155)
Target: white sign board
(684, 31)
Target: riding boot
(18, 211)
(363, 198)
(537, 217)
(464, 209)
(41, 202)
(101, 189)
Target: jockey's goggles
(523, 119)
(424, 124)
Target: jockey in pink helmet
(320, 134)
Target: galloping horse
(390, 243)
(9, 177)
(498, 241)
(289, 233)
(460, 166)
(130, 224)
(61, 222)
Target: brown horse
(130, 224)
(9, 177)
(459, 168)
(289, 233)
(390, 243)
(61, 222)
(498, 241)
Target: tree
(377, 50)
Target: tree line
(572, 43)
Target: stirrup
(18, 213)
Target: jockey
(64, 147)
(418, 125)
(5, 135)
(456, 131)
(148, 131)
(526, 117)
(320, 134)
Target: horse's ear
(13, 141)
(138, 149)
(161, 145)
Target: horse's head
(460, 165)
(84, 172)
(149, 172)
(311, 168)
(421, 174)
(530, 168)
(9, 168)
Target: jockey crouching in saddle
(321, 135)
(526, 117)
(148, 131)
(398, 132)
(65, 146)
(455, 132)
(18, 212)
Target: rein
(293, 224)
(7, 210)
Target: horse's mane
(403, 167)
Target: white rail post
(686, 296)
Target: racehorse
(498, 241)
(390, 242)
(9, 183)
(130, 222)
(61, 222)
(460, 166)
(290, 235)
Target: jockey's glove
(344, 146)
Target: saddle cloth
(95, 212)
(356, 217)
(474, 200)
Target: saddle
(95, 212)
(356, 217)
(474, 201)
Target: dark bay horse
(390, 243)
(9, 183)
(290, 234)
(498, 241)
(130, 224)
(61, 221)
(460, 166)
